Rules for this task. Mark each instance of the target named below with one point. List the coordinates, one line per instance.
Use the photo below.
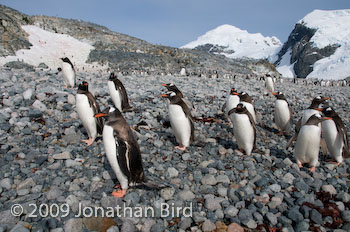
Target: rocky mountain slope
(318, 46)
(116, 50)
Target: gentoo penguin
(335, 135)
(247, 101)
(231, 102)
(118, 93)
(306, 114)
(244, 128)
(87, 107)
(172, 88)
(282, 113)
(180, 120)
(122, 150)
(269, 83)
(308, 142)
(68, 73)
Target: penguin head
(171, 87)
(169, 95)
(329, 112)
(110, 113)
(240, 108)
(112, 76)
(279, 95)
(84, 86)
(234, 91)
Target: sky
(178, 22)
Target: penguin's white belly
(115, 95)
(86, 115)
(269, 84)
(334, 140)
(243, 132)
(68, 74)
(180, 124)
(111, 152)
(308, 145)
(251, 109)
(282, 115)
(232, 102)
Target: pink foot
(120, 193)
(300, 165)
(181, 148)
(88, 141)
(312, 169)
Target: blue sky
(178, 22)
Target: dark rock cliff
(303, 53)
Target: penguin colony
(319, 126)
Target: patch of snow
(243, 44)
(49, 47)
(284, 67)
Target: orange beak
(100, 115)
(319, 109)
(326, 98)
(235, 93)
(274, 93)
(86, 84)
(327, 118)
(164, 95)
(164, 84)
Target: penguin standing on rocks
(122, 150)
(69, 77)
(244, 128)
(306, 114)
(87, 107)
(335, 135)
(269, 83)
(118, 94)
(231, 102)
(283, 113)
(308, 142)
(247, 101)
(172, 88)
(181, 120)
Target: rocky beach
(43, 160)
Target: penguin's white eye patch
(329, 109)
(112, 109)
(171, 84)
(172, 94)
(318, 97)
(244, 93)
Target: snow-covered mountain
(233, 42)
(318, 47)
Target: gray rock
(287, 162)
(113, 229)
(7, 218)
(167, 193)
(295, 215)
(209, 180)
(72, 163)
(316, 217)
(128, 226)
(62, 156)
(222, 179)
(212, 203)
(343, 196)
(185, 223)
(275, 188)
(346, 216)
(244, 215)
(231, 211)
(158, 143)
(53, 193)
(186, 195)
(6, 183)
(172, 172)
(272, 218)
(27, 183)
(148, 225)
(39, 105)
(73, 224)
(208, 226)
(330, 189)
(28, 94)
(19, 228)
(288, 178)
(302, 226)
(251, 224)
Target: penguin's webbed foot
(88, 141)
(312, 169)
(120, 193)
(300, 165)
(181, 147)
